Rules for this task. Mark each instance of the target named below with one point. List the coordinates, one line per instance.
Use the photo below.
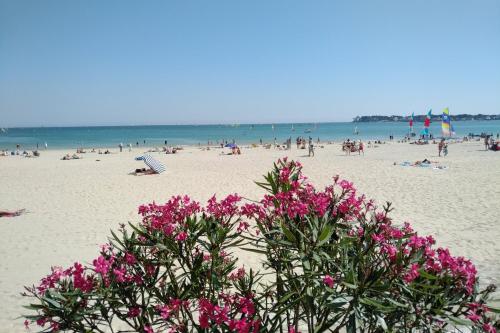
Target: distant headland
(420, 118)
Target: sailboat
(412, 133)
(293, 129)
(356, 130)
(427, 123)
(446, 128)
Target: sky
(95, 62)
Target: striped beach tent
(154, 164)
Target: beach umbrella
(152, 163)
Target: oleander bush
(331, 262)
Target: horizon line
(230, 123)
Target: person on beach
(445, 149)
(45, 145)
(440, 147)
(311, 147)
(121, 147)
(486, 139)
(361, 148)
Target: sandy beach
(71, 205)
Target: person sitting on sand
(144, 171)
(11, 214)
(107, 152)
(423, 162)
(75, 157)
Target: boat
(356, 132)
(293, 129)
(446, 127)
(308, 130)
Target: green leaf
(52, 302)
(494, 310)
(371, 302)
(289, 235)
(460, 321)
(254, 250)
(325, 235)
(349, 285)
(427, 275)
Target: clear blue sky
(96, 62)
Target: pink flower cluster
(236, 313)
(225, 209)
(170, 218)
(238, 274)
(477, 314)
(172, 308)
(297, 198)
(76, 274)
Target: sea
(111, 136)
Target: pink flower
(54, 326)
(27, 324)
(226, 208)
(148, 329)
(41, 321)
(239, 274)
(391, 251)
(181, 236)
(243, 226)
(416, 242)
(378, 238)
(133, 312)
(489, 328)
(328, 280)
(474, 316)
(120, 274)
(130, 258)
(412, 274)
(102, 265)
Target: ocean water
(111, 136)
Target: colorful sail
(446, 127)
(445, 122)
(427, 123)
(411, 122)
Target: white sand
(73, 204)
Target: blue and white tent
(155, 165)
